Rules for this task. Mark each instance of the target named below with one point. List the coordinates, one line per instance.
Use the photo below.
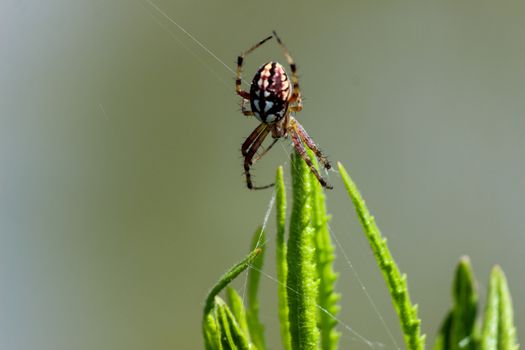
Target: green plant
(308, 304)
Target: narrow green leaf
(212, 333)
(465, 307)
(489, 334)
(233, 336)
(207, 321)
(396, 282)
(324, 259)
(254, 277)
(237, 308)
(443, 337)
(227, 341)
(498, 331)
(282, 267)
(508, 338)
(301, 269)
(458, 331)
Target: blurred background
(122, 197)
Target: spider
(272, 101)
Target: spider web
(155, 11)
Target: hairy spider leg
(240, 60)
(296, 94)
(251, 139)
(298, 107)
(299, 147)
(249, 159)
(260, 155)
(311, 145)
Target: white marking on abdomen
(270, 118)
(268, 105)
(263, 83)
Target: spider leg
(259, 156)
(299, 147)
(252, 138)
(247, 112)
(311, 144)
(298, 107)
(249, 158)
(240, 60)
(296, 93)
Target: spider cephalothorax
(272, 98)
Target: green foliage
(458, 330)
(396, 282)
(254, 277)
(302, 274)
(238, 310)
(498, 331)
(281, 264)
(233, 336)
(328, 298)
(217, 323)
(308, 302)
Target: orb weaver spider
(272, 102)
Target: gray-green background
(122, 198)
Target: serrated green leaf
(324, 258)
(396, 282)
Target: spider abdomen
(269, 93)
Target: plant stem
(301, 269)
